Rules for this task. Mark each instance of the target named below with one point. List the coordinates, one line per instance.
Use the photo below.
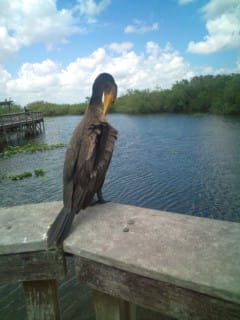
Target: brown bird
(87, 158)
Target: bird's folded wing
(104, 149)
(91, 164)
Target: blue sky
(52, 50)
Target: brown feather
(87, 159)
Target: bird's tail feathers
(60, 229)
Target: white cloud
(25, 22)
(91, 9)
(50, 82)
(139, 26)
(35, 81)
(223, 26)
(215, 8)
(5, 77)
(120, 47)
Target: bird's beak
(108, 100)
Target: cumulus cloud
(91, 8)
(33, 76)
(140, 26)
(120, 47)
(5, 77)
(25, 22)
(223, 26)
(49, 81)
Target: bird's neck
(95, 112)
(95, 108)
(96, 98)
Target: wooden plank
(195, 253)
(41, 300)
(32, 266)
(168, 299)
(110, 308)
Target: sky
(52, 50)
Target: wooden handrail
(10, 115)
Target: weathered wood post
(42, 299)
(108, 307)
(25, 257)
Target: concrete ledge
(184, 266)
(24, 228)
(190, 252)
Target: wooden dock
(22, 123)
(181, 266)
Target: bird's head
(105, 90)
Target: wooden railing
(184, 267)
(12, 120)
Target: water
(177, 163)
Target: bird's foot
(100, 198)
(99, 202)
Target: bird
(87, 158)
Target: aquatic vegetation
(39, 172)
(23, 175)
(20, 176)
(30, 147)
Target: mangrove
(218, 94)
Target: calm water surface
(177, 163)
(186, 164)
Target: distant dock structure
(7, 102)
(17, 126)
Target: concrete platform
(24, 228)
(183, 267)
(190, 252)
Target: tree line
(54, 109)
(218, 94)
(209, 94)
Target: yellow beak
(108, 100)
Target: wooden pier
(181, 266)
(21, 123)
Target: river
(177, 163)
